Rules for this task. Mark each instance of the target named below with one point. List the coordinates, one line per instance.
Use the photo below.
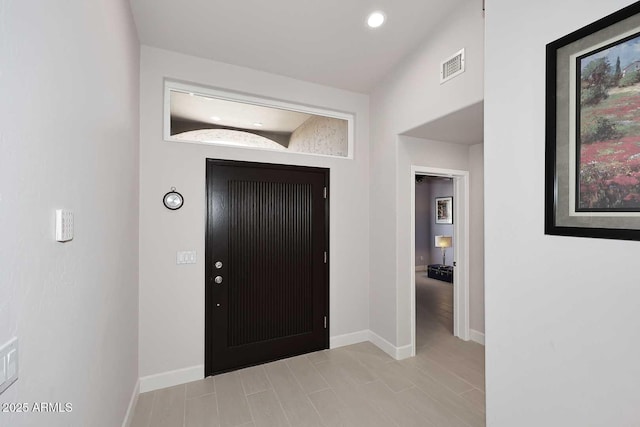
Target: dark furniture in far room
(440, 272)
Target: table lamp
(443, 242)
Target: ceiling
(234, 114)
(324, 41)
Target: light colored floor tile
(200, 388)
(254, 379)
(266, 410)
(437, 372)
(318, 356)
(296, 404)
(476, 398)
(434, 412)
(306, 374)
(359, 373)
(333, 374)
(233, 408)
(359, 410)
(346, 368)
(357, 385)
(461, 367)
(386, 401)
(356, 409)
(396, 376)
(369, 355)
(453, 402)
(202, 411)
(168, 407)
(142, 412)
(332, 412)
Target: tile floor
(358, 385)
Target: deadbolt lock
(218, 265)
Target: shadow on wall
(428, 188)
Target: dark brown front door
(267, 286)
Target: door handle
(218, 279)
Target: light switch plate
(3, 369)
(186, 257)
(12, 363)
(9, 364)
(64, 225)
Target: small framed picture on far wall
(444, 210)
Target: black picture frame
(565, 211)
(444, 210)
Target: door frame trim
(461, 249)
(208, 314)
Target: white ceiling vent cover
(452, 67)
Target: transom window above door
(201, 115)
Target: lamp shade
(443, 241)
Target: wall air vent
(452, 67)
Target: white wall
(476, 237)
(410, 96)
(562, 338)
(69, 84)
(172, 296)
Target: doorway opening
(434, 237)
(439, 259)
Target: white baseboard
(171, 378)
(128, 417)
(194, 373)
(348, 339)
(476, 336)
(397, 353)
(403, 352)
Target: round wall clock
(173, 200)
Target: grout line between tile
(217, 404)
(245, 398)
(153, 405)
(450, 372)
(201, 395)
(184, 407)
(278, 397)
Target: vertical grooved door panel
(270, 255)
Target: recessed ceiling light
(191, 94)
(258, 124)
(215, 118)
(376, 19)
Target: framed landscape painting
(593, 130)
(444, 210)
